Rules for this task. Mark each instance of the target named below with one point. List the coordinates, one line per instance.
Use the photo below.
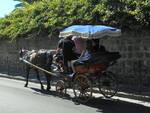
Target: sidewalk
(123, 95)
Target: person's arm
(58, 50)
(82, 54)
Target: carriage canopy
(90, 31)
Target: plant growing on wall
(50, 16)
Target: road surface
(15, 98)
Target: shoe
(71, 75)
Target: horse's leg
(48, 78)
(27, 76)
(38, 77)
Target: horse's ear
(21, 50)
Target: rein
(29, 63)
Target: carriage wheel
(108, 84)
(60, 88)
(82, 88)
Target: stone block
(145, 48)
(136, 48)
(139, 55)
(138, 41)
(129, 63)
(130, 48)
(130, 41)
(130, 55)
(123, 55)
(147, 55)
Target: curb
(119, 94)
(17, 78)
(134, 96)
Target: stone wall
(9, 52)
(132, 69)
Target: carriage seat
(104, 57)
(98, 62)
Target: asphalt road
(14, 98)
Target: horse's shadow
(101, 104)
(50, 93)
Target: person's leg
(76, 63)
(72, 65)
(66, 69)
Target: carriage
(89, 78)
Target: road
(14, 98)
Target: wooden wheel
(108, 84)
(60, 88)
(82, 88)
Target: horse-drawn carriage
(86, 78)
(89, 77)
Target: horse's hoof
(48, 88)
(26, 85)
(42, 87)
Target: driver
(67, 46)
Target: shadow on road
(116, 106)
(50, 93)
(101, 104)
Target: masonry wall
(133, 69)
(9, 52)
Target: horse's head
(58, 59)
(22, 52)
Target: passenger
(79, 45)
(96, 47)
(102, 49)
(84, 58)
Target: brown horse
(42, 58)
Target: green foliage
(50, 16)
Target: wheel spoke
(60, 88)
(108, 84)
(82, 88)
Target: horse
(41, 58)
